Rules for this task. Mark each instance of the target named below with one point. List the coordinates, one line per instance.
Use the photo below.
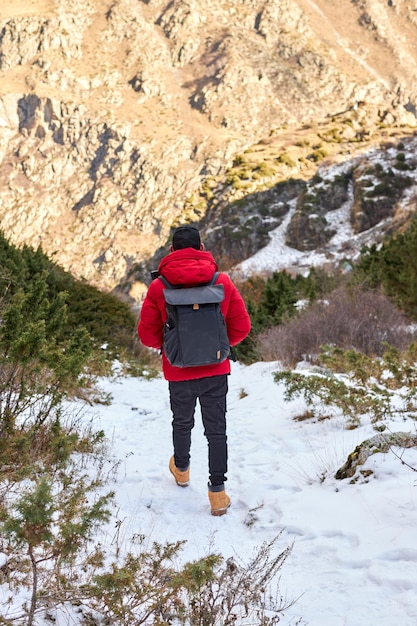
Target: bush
(50, 510)
(107, 319)
(349, 318)
(285, 159)
(39, 363)
(267, 304)
(146, 588)
(393, 267)
(265, 169)
(318, 155)
(273, 299)
(380, 388)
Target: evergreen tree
(107, 319)
(39, 362)
(394, 267)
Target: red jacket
(191, 267)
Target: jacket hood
(188, 267)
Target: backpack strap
(166, 282)
(214, 278)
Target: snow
(278, 256)
(353, 561)
(345, 244)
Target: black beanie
(186, 237)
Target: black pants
(211, 393)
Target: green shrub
(104, 317)
(318, 155)
(39, 360)
(271, 300)
(381, 189)
(50, 509)
(357, 385)
(265, 169)
(239, 160)
(285, 159)
(393, 266)
(402, 166)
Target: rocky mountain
(121, 118)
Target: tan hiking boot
(182, 477)
(219, 500)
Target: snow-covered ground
(354, 558)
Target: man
(189, 265)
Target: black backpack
(195, 330)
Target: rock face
(114, 115)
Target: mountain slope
(115, 115)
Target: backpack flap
(208, 294)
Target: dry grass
(348, 318)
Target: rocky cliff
(120, 118)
